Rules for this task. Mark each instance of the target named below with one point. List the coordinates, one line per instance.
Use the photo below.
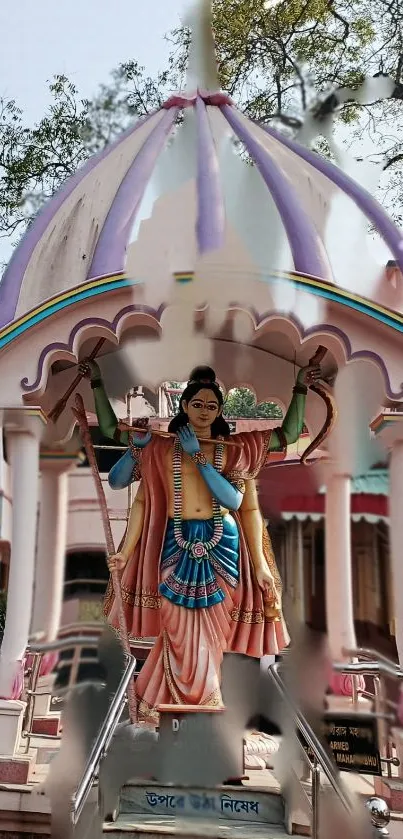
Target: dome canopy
(85, 230)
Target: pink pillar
(339, 587)
(396, 538)
(50, 561)
(23, 446)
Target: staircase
(238, 811)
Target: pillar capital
(58, 461)
(25, 419)
(388, 425)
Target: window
(86, 573)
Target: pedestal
(391, 790)
(11, 715)
(344, 705)
(397, 734)
(43, 700)
(196, 746)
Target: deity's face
(202, 409)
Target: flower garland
(135, 452)
(198, 550)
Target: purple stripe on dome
(10, 285)
(362, 198)
(110, 252)
(211, 217)
(304, 241)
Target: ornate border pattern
(118, 282)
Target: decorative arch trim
(154, 315)
(86, 323)
(104, 285)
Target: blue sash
(193, 582)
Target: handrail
(143, 644)
(371, 655)
(81, 627)
(85, 580)
(379, 668)
(321, 756)
(101, 743)
(37, 651)
(368, 668)
(63, 644)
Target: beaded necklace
(198, 550)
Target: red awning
(362, 506)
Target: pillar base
(11, 714)
(345, 705)
(391, 789)
(44, 698)
(49, 726)
(397, 736)
(17, 769)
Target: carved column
(339, 586)
(23, 447)
(51, 550)
(389, 426)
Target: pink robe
(184, 664)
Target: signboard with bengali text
(353, 742)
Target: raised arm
(293, 422)
(223, 491)
(127, 469)
(107, 419)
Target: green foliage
(273, 60)
(241, 404)
(175, 397)
(263, 49)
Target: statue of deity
(198, 570)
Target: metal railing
(109, 724)
(321, 761)
(38, 651)
(68, 639)
(373, 665)
(102, 742)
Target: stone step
(229, 804)
(155, 827)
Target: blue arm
(121, 474)
(225, 493)
(127, 470)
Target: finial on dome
(202, 66)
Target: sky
(84, 39)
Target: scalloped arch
(84, 330)
(130, 316)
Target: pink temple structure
(78, 276)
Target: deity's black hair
(201, 378)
